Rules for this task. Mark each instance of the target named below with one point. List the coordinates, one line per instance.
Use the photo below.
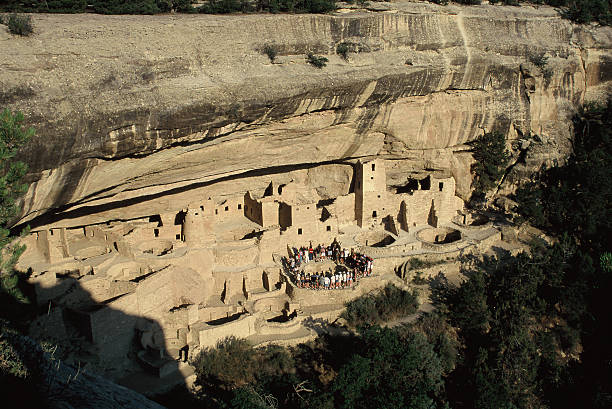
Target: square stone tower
(370, 192)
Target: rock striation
(138, 115)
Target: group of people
(355, 265)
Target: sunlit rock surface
(142, 114)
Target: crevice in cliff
(519, 159)
(583, 62)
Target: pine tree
(12, 137)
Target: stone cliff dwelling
(150, 286)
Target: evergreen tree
(491, 158)
(12, 137)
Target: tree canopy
(13, 136)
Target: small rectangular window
(299, 231)
(328, 228)
(374, 213)
(216, 211)
(441, 186)
(239, 206)
(178, 236)
(373, 167)
(156, 232)
(226, 208)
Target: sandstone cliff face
(142, 114)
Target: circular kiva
(326, 268)
(441, 235)
(471, 220)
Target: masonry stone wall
(252, 209)
(240, 328)
(197, 228)
(269, 213)
(370, 192)
(304, 218)
(229, 209)
(344, 208)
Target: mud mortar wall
(144, 113)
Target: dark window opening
(410, 186)
(155, 219)
(299, 231)
(216, 211)
(440, 186)
(178, 236)
(201, 207)
(374, 213)
(179, 218)
(226, 208)
(156, 232)
(51, 232)
(373, 167)
(196, 213)
(239, 206)
(269, 190)
(425, 184)
(328, 228)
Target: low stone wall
(241, 328)
(269, 304)
(394, 250)
(289, 327)
(269, 294)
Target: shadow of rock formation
(76, 352)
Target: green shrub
(342, 50)
(587, 11)
(539, 60)
(316, 60)
(418, 278)
(386, 304)
(230, 363)
(416, 263)
(234, 363)
(271, 51)
(491, 158)
(271, 6)
(19, 24)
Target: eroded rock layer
(138, 115)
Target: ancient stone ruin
(169, 179)
(187, 279)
